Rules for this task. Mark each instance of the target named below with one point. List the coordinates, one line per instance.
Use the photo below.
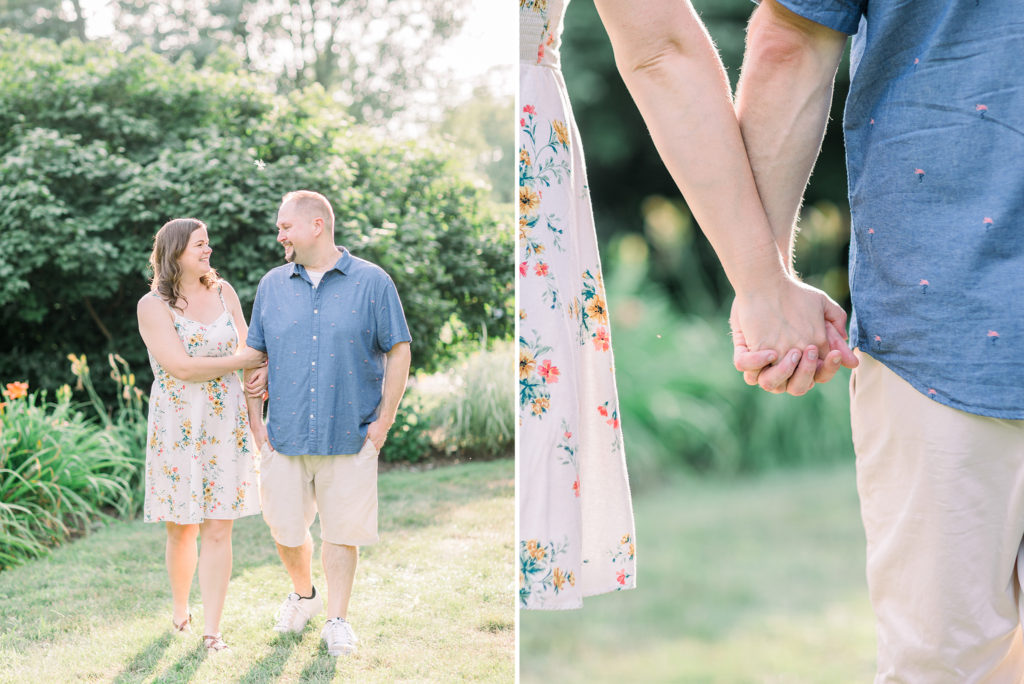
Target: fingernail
(836, 360)
(812, 354)
(795, 357)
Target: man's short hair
(313, 205)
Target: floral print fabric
(200, 460)
(576, 520)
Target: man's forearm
(396, 375)
(782, 103)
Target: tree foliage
(372, 55)
(481, 128)
(99, 148)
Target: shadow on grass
(269, 667)
(143, 662)
(183, 670)
(321, 668)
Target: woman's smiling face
(195, 258)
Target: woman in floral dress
(201, 466)
(575, 515)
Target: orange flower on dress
(602, 340)
(558, 579)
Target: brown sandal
(185, 627)
(214, 643)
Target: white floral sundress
(200, 461)
(575, 515)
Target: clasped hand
(788, 337)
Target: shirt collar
(341, 265)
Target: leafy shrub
(58, 473)
(98, 148)
(477, 416)
(466, 409)
(409, 438)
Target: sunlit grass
(434, 600)
(751, 580)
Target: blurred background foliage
(683, 405)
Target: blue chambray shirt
(326, 348)
(934, 128)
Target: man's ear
(318, 226)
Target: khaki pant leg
(942, 500)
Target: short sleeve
(838, 15)
(390, 318)
(255, 338)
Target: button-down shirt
(326, 348)
(934, 128)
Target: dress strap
(220, 293)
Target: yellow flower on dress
(541, 405)
(524, 157)
(526, 364)
(572, 579)
(625, 539)
(574, 309)
(558, 579)
(535, 550)
(560, 131)
(597, 310)
(528, 200)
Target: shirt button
(310, 415)
(315, 311)
(314, 337)
(312, 389)
(314, 363)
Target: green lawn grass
(751, 580)
(433, 601)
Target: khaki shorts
(942, 500)
(343, 489)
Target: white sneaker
(295, 612)
(340, 638)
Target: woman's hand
(251, 358)
(256, 383)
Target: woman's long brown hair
(170, 241)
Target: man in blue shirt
(934, 127)
(337, 343)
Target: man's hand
(377, 432)
(259, 431)
(799, 370)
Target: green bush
(477, 416)
(98, 148)
(58, 472)
(683, 405)
(465, 410)
(409, 438)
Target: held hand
(256, 385)
(785, 314)
(251, 358)
(377, 432)
(798, 372)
